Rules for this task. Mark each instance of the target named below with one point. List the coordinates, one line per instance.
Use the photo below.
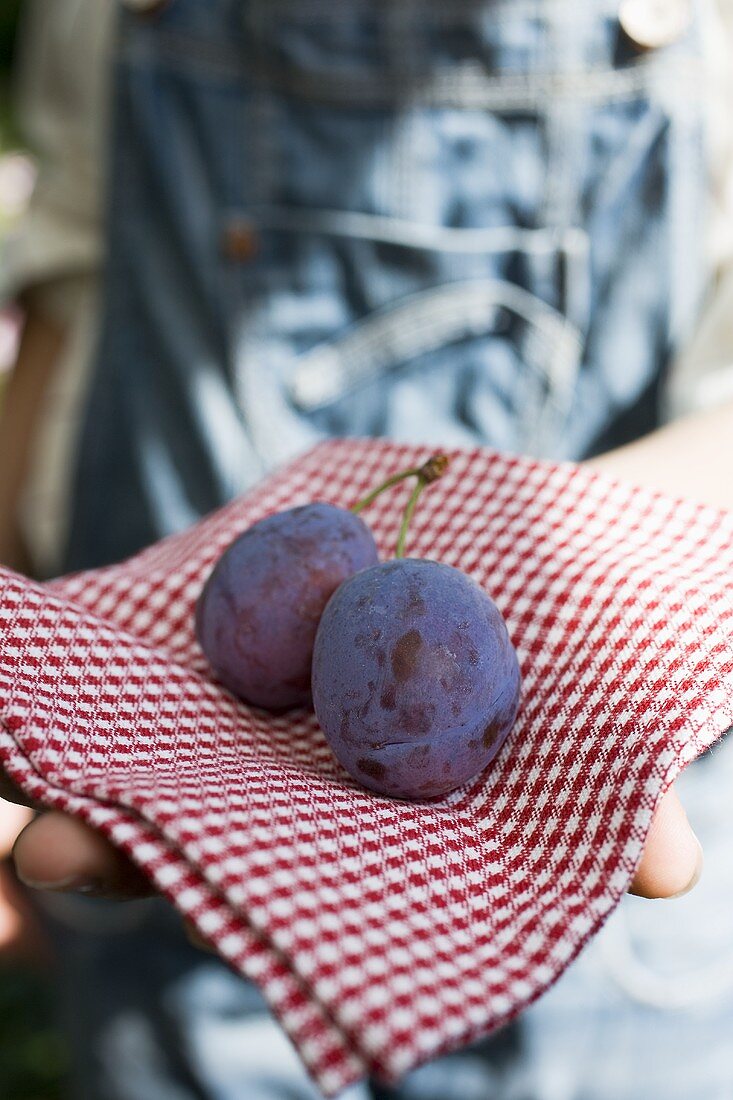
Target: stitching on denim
(687, 192)
(500, 11)
(564, 124)
(469, 87)
(426, 322)
(465, 86)
(570, 244)
(409, 234)
(402, 46)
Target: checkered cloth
(384, 933)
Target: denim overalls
(448, 221)
(454, 221)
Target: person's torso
(476, 222)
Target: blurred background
(32, 1057)
(16, 168)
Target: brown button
(655, 23)
(241, 241)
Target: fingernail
(74, 884)
(697, 874)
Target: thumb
(56, 852)
(672, 861)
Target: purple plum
(415, 681)
(257, 616)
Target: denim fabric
(465, 222)
(449, 221)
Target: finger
(11, 793)
(22, 936)
(12, 819)
(672, 862)
(195, 938)
(56, 852)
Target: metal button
(240, 241)
(655, 23)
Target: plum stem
(404, 527)
(394, 480)
(430, 471)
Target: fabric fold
(390, 931)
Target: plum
(416, 683)
(257, 616)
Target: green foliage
(32, 1056)
(9, 11)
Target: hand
(56, 852)
(672, 861)
(21, 934)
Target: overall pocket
(374, 326)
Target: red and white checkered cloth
(384, 933)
